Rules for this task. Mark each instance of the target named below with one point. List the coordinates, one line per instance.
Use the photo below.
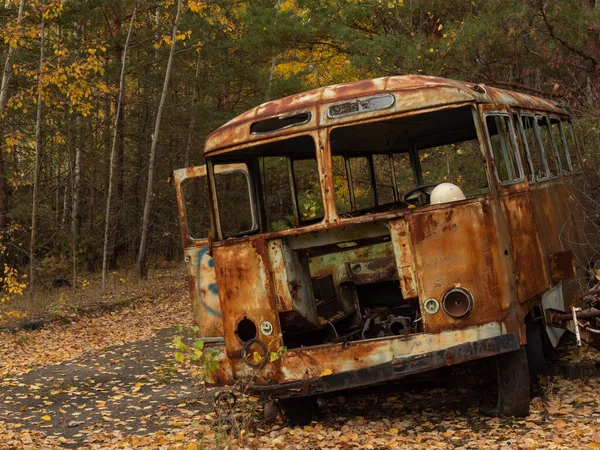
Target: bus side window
(235, 203)
(360, 172)
(524, 146)
(384, 179)
(404, 171)
(504, 151)
(563, 152)
(569, 134)
(548, 146)
(195, 202)
(533, 147)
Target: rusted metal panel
(280, 279)
(404, 257)
(324, 163)
(336, 263)
(562, 265)
(246, 292)
(179, 176)
(373, 270)
(394, 370)
(550, 207)
(309, 362)
(531, 276)
(291, 280)
(451, 249)
(204, 291)
(411, 92)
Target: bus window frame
(214, 170)
(577, 148)
(570, 170)
(525, 147)
(538, 138)
(413, 147)
(256, 202)
(506, 113)
(554, 149)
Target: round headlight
(457, 302)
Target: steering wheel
(412, 197)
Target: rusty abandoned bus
(380, 229)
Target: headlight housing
(457, 302)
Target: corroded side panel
(529, 265)
(291, 280)
(204, 292)
(554, 205)
(246, 291)
(546, 199)
(404, 257)
(339, 264)
(451, 249)
(283, 293)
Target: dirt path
(131, 388)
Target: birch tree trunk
(141, 260)
(273, 64)
(36, 170)
(3, 100)
(188, 145)
(112, 154)
(75, 205)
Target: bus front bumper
(395, 369)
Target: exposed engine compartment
(355, 293)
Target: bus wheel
(510, 395)
(299, 411)
(536, 359)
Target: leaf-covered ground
(109, 382)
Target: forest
(101, 100)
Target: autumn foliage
(229, 56)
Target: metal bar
(350, 183)
(394, 184)
(416, 164)
(566, 317)
(373, 181)
(295, 205)
(213, 204)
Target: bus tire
(299, 411)
(536, 358)
(511, 393)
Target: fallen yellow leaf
(46, 417)
(326, 372)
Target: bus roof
(411, 92)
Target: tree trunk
(188, 145)
(141, 260)
(3, 100)
(75, 198)
(36, 170)
(273, 64)
(118, 161)
(113, 152)
(91, 248)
